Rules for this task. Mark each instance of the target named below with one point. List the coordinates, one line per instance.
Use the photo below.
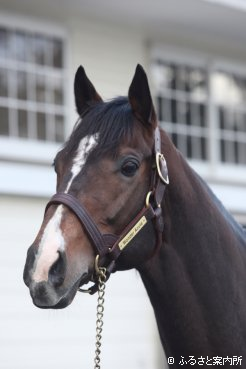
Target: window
(203, 109)
(182, 95)
(33, 105)
(31, 85)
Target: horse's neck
(194, 282)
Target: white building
(195, 54)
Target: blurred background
(194, 52)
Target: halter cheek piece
(108, 247)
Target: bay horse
(127, 197)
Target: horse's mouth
(65, 299)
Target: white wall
(108, 53)
(32, 338)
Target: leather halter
(108, 247)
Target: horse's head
(105, 166)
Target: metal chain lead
(100, 310)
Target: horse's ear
(140, 98)
(84, 91)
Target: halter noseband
(108, 247)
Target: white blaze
(52, 239)
(85, 146)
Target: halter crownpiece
(108, 247)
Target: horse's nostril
(58, 270)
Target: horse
(127, 198)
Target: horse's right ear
(140, 98)
(84, 91)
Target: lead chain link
(100, 310)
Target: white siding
(32, 338)
(108, 53)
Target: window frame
(213, 169)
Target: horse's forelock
(112, 121)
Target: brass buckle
(160, 157)
(100, 271)
(147, 200)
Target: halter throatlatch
(108, 247)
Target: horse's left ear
(84, 91)
(140, 98)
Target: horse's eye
(129, 168)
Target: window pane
(173, 77)
(22, 46)
(174, 111)
(22, 123)
(41, 126)
(197, 115)
(4, 121)
(11, 44)
(228, 89)
(236, 152)
(242, 152)
(164, 109)
(31, 91)
(3, 42)
(160, 107)
(162, 76)
(227, 151)
(58, 91)
(221, 115)
(222, 151)
(204, 151)
(183, 144)
(182, 112)
(189, 148)
(57, 54)
(199, 149)
(22, 85)
(167, 110)
(198, 85)
(40, 47)
(239, 124)
(203, 118)
(40, 88)
(3, 82)
(182, 79)
(232, 129)
(59, 128)
(244, 123)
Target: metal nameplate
(133, 232)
